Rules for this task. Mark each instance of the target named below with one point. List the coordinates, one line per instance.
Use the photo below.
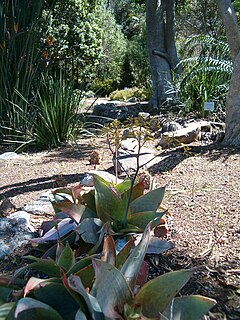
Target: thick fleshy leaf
(157, 246)
(31, 284)
(124, 253)
(110, 288)
(189, 308)
(149, 201)
(138, 190)
(155, 296)
(51, 252)
(89, 229)
(109, 250)
(80, 315)
(82, 263)
(64, 227)
(123, 186)
(86, 275)
(106, 200)
(74, 211)
(142, 274)
(75, 284)
(133, 263)
(4, 293)
(28, 308)
(6, 309)
(67, 258)
(121, 210)
(47, 266)
(141, 219)
(76, 192)
(56, 296)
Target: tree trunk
(232, 133)
(162, 53)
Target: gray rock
(15, 230)
(128, 155)
(41, 205)
(120, 110)
(182, 136)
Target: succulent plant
(98, 287)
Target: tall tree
(232, 133)
(162, 53)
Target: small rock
(41, 205)
(9, 156)
(6, 207)
(182, 136)
(14, 232)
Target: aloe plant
(113, 293)
(88, 215)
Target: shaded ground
(203, 194)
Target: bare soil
(202, 193)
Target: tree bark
(232, 132)
(162, 53)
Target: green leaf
(86, 275)
(149, 201)
(74, 211)
(89, 229)
(110, 288)
(120, 210)
(4, 293)
(84, 262)
(5, 310)
(155, 296)
(141, 219)
(189, 308)
(29, 308)
(124, 186)
(67, 258)
(124, 253)
(106, 199)
(133, 263)
(92, 303)
(56, 296)
(47, 266)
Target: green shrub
(142, 94)
(108, 75)
(206, 73)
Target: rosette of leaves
(119, 210)
(111, 287)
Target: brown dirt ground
(203, 195)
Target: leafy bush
(206, 74)
(108, 75)
(73, 38)
(137, 57)
(142, 94)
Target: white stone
(9, 156)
